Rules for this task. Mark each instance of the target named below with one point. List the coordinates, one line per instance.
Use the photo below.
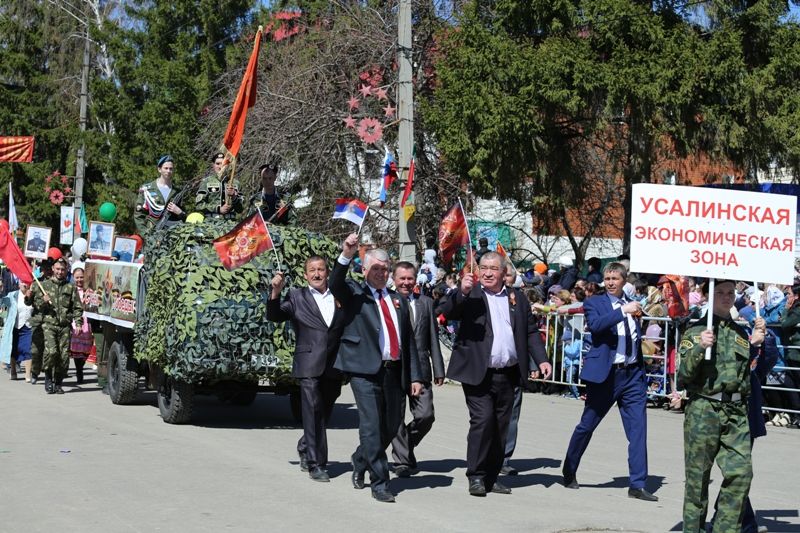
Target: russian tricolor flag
(350, 209)
(389, 175)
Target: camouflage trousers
(716, 430)
(37, 350)
(56, 350)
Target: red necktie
(394, 345)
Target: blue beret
(164, 159)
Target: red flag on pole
(245, 99)
(502, 251)
(453, 233)
(13, 258)
(16, 149)
(409, 183)
(244, 242)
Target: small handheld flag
(351, 209)
(244, 242)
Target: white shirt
(384, 333)
(504, 351)
(24, 312)
(617, 303)
(326, 304)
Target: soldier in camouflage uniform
(60, 307)
(212, 193)
(274, 204)
(716, 424)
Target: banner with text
(67, 227)
(714, 233)
(110, 291)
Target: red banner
(244, 242)
(453, 233)
(16, 149)
(13, 258)
(245, 99)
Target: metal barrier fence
(566, 351)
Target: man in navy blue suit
(614, 372)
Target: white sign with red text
(713, 233)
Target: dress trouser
(489, 404)
(410, 435)
(626, 387)
(513, 425)
(379, 398)
(317, 398)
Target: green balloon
(108, 212)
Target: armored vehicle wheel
(175, 401)
(244, 397)
(122, 374)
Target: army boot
(48, 382)
(57, 387)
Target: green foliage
(203, 323)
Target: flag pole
(710, 313)
(358, 234)
(274, 248)
(466, 224)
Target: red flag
(245, 99)
(409, 183)
(502, 251)
(453, 233)
(13, 258)
(244, 242)
(16, 149)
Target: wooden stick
(710, 314)
(758, 298)
(469, 237)
(358, 234)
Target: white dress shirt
(326, 304)
(617, 303)
(504, 351)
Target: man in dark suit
(379, 355)
(426, 335)
(497, 348)
(318, 326)
(614, 372)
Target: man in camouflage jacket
(716, 424)
(215, 189)
(60, 307)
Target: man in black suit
(318, 325)
(497, 348)
(426, 335)
(379, 355)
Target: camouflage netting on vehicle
(202, 323)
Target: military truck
(182, 325)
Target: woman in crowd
(15, 347)
(82, 340)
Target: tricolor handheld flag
(244, 242)
(389, 175)
(453, 232)
(81, 222)
(351, 209)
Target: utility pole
(405, 103)
(81, 163)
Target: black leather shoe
(642, 494)
(508, 470)
(318, 474)
(383, 496)
(357, 478)
(303, 462)
(499, 488)
(402, 471)
(58, 389)
(569, 480)
(476, 487)
(34, 380)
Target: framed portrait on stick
(101, 239)
(37, 241)
(125, 249)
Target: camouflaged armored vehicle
(181, 324)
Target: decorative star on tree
(380, 93)
(370, 130)
(365, 90)
(389, 110)
(353, 103)
(350, 122)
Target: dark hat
(271, 166)
(217, 156)
(60, 260)
(164, 159)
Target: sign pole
(710, 314)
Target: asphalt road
(79, 463)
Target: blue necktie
(628, 338)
